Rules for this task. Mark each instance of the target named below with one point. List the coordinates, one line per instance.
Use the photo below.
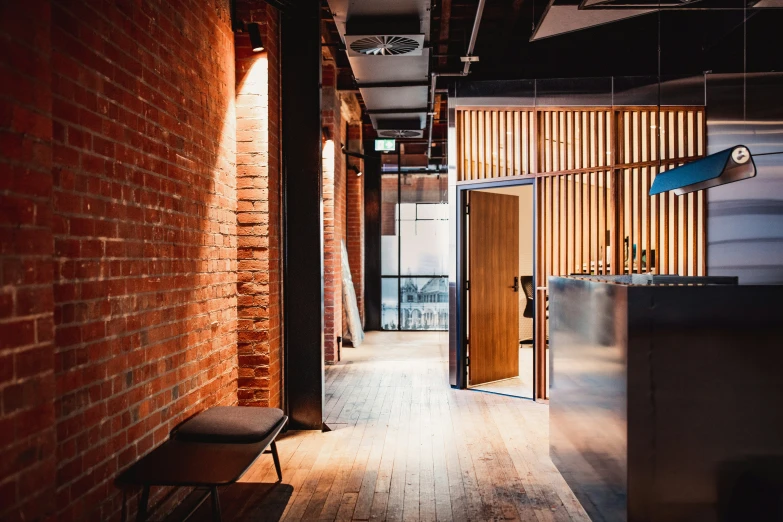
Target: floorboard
(404, 446)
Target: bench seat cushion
(230, 425)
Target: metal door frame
(461, 308)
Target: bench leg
(141, 514)
(277, 462)
(216, 515)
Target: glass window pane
(425, 303)
(389, 259)
(389, 242)
(414, 234)
(428, 211)
(424, 245)
(443, 211)
(389, 299)
(408, 211)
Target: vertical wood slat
(511, 140)
(490, 143)
(570, 140)
(495, 158)
(470, 143)
(480, 144)
(556, 203)
(569, 224)
(467, 145)
(560, 139)
(616, 233)
(502, 145)
(675, 140)
(550, 237)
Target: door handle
(516, 284)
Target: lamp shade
(723, 167)
(254, 31)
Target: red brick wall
(145, 232)
(27, 435)
(258, 216)
(119, 188)
(334, 213)
(354, 209)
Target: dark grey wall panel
(302, 185)
(372, 240)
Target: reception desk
(666, 401)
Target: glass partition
(414, 246)
(582, 92)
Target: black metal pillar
(372, 240)
(303, 215)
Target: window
(414, 247)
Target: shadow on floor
(247, 501)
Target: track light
(254, 31)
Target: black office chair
(527, 287)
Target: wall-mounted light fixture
(254, 31)
(355, 169)
(726, 166)
(252, 28)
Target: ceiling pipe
(473, 36)
(465, 72)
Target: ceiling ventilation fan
(385, 45)
(400, 133)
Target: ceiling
(387, 47)
(539, 39)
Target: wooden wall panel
(593, 168)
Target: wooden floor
(407, 447)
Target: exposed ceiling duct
(468, 59)
(386, 45)
(561, 17)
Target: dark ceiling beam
(511, 20)
(391, 84)
(285, 6)
(445, 18)
(398, 111)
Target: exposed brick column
(27, 434)
(334, 211)
(259, 211)
(354, 209)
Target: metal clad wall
(745, 220)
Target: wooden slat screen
(495, 143)
(593, 168)
(670, 227)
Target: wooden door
(493, 263)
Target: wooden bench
(213, 448)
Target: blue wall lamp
(726, 166)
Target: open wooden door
(493, 263)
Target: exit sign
(385, 145)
